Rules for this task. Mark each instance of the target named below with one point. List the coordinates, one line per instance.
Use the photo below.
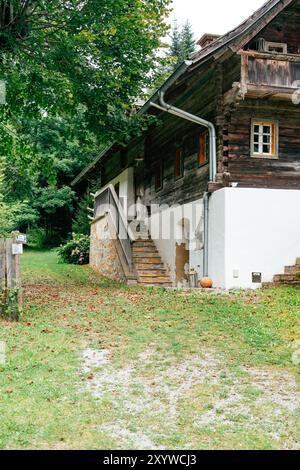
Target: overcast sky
(214, 16)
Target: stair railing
(107, 202)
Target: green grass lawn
(98, 365)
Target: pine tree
(188, 43)
(81, 224)
(175, 47)
(183, 43)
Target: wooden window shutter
(203, 148)
(178, 164)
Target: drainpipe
(197, 120)
(206, 233)
(212, 161)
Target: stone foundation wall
(103, 253)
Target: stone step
(144, 249)
(162, 285)
(152, 273)
(143, 243)
(149, 258)
(155, 283)
(282, 284)
(145, 266)
(142, 236)
(293, 277)
(154, 279)
(150, 255)
(291, 269)
(148, 264)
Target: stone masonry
(103, 254)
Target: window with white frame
(264, 139)
(277, 47)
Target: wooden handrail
(119, 207)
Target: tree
(176, 42)
(81, 224)
(183, 43)
(13, 213)
(73, 70)
(188, 43)
(99, 54)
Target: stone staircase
(291, 276)
(149, 265)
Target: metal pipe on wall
(212, 163)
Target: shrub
(40, 238)
(75, 251)
(36, 238)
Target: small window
(203, 157)
(277, 47)
(179, 167)
(264, 139)
(158, 176)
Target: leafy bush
(36, 238)
(75, 251)
(41, 238)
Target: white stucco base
(170, 226)
(252, 230)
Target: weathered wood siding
(200, 97)
(283, 172)
(192, 184)
(285, 28)
(280, 73)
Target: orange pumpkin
(206, 283)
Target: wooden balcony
(269, 75)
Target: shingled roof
(250, 27)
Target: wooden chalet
(227, 193)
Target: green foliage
(91, 57)
(81, 222)
(40, 238)
(13, 214)
(188, 43)
(9, 304)
(36, 237)
(72, 71)
(183, 43)
(50, 199)
(76, 251)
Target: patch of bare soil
(147, 395)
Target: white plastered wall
(252, 231)
(126, 190)
(166, 230)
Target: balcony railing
(270, 70)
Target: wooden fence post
(10, 289)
